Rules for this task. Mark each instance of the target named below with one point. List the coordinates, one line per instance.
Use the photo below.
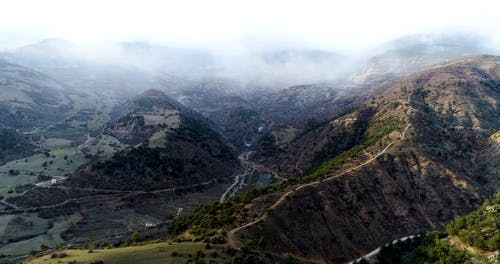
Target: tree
(135, 237)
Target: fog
(270, 43)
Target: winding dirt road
(232, 234)
(113, 193)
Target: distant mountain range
(146, 142)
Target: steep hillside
(172, 147)
(425, 154)
(442, 168)
(473, 238)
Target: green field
(98, 120)
(9, 181)
(55, 143)
(143, 254)
(50, 237)
(58, 162)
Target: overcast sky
(348, 24)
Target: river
(240, 179)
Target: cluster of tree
(36, 197)
(435, 249)
(206, 219)
(192, 129)
(480, 228)
(144, 168)
(131, 118)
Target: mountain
(172, 146)
(424, 152)
(413, 53)
(103, 73)
(344, 167)
(29, 98)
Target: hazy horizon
(260, 41)
(229, 26)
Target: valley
(121, 164)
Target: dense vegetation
(207, 218)
(193, 153)
(480, 228)
(144, 168)
(435, 249)
(194, 130)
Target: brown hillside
(441, 166)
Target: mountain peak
(151, 93)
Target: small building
(148, 224)
(53, 181)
